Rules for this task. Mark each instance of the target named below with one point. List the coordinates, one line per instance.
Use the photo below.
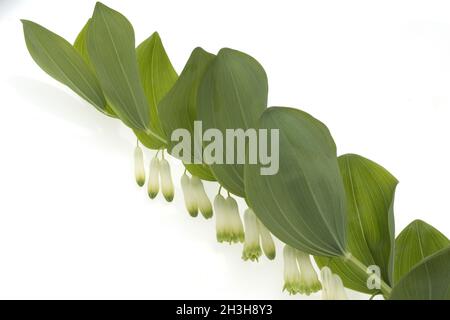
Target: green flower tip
(193, 212)
(140, 181)
(252, 253)
(152, 195)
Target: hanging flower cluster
(299, 274)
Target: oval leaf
(415, 243)
(81, 46)
(178, 109)
(157, 77)
(111, 48)
(61, 61)
(370, 191)
(429, 280)
(232, 95)
(304, 203)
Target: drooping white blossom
(203, 203)
(166, 180)
(139, 170)
(153, 178)
(235, 222)
(223, 229)
(252, 249)
(332, 286)
(267, 244)
(299, 274)
(229, 226)
(189, 198)
(291, 270)
(309, 282)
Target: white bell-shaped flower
(291, 270)
(234, 220)
(189, 198)
(267, 244)
(309, 282)
(203, 203)
(153, 178)
(139, 170)
(332, 286)
(252, 249)
(223, 228)
(299, 274)
(166, 180)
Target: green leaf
(200, 170)
(429, 280)
(80, 43)
(157, 77)
(232, 95)
(370, 191)
(178, 109)
(61, 61)
(415, 243)
(111, 47)
(81, 46)
(303, 204)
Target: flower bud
(267, 243)
(291, 270)
(153, 178)
(333, 288)
(223, 229)
(203, 203)
(139, 170)
(309, 283)
(235, 222)
(252, 250)
(166, 180)
(189, 198)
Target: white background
(73, 223)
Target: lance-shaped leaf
(178, 109)
(370, 193)
(61, 61)
(157, 77)
(111, 47)
(415, 243)
(232, 95)
(80, 45)
(429, 280)
(303, 205)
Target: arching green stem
(385, 288)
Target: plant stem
(385, 288)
